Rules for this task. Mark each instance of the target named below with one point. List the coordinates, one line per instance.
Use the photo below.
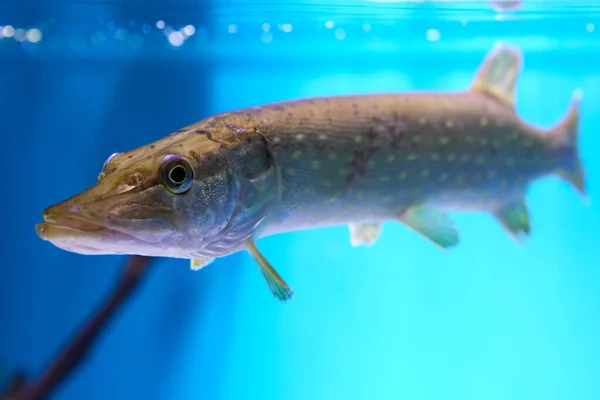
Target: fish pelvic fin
(199, 263)
(364, 234)
(567, 134)
(277, 285)
(498, 73)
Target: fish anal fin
(364, 233)
(432, 224)
(199, 263)
(514, 217)
(498, 73)
(277, 285)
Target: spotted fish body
(355, 160)
(364, 159)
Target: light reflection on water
(229, 29)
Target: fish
(217, 186)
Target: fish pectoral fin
(498, 73)
(432, 224)
(199, 263)
(514, 217)
(276, 284)
(364, 233)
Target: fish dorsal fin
(498, 73)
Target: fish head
(186, 196)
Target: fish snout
(66, 215)
(52, 214)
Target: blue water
(401, 320)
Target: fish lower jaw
(49, 230)
(66, 238)
(72, 239)
(103, 241)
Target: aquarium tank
(490, 318)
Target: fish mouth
(79, 235)
(74, 229)
(57, 226)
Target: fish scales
(366, 157)
(217, 186)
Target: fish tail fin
(567, 132)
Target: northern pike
(215, 187)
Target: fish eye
(177, 174)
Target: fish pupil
(178, 175)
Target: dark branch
(16, 384)
(78, 349)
